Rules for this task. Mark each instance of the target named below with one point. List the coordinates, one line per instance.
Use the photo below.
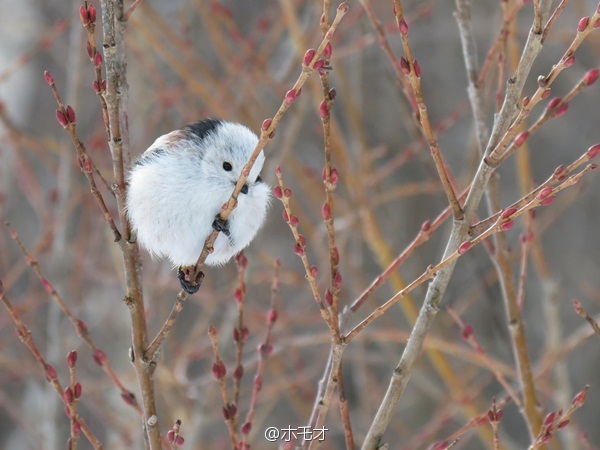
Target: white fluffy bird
(178, 186)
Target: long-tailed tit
(178, 186)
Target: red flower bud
(277, 192)
(570, 61)
(326, 211)
(548, 200)
(98, 60)
(179, 441)
(521, 138)
(219, 371)
(285, 215)
(337, 280)
(404, 66)
(507, 213)
(467, 332)
(562, 109)
(171, 436)
(327, 51)
(335, 256)
(68, 395)
(417, 68)
(464, 247)
(84, 15)
(425, 226)
(266, 124)
(314, 271)
(272, 316)
(92, 13)
(554, 102)
(547, 92)
(308, 56)
(328, 298)
(403, 27)
(77, 390)
(99, 357)
(62, 118)
(544, 193)
(238, 373)
(291, 95)
(343, 8)
(48, 77)
(128, 398)
(50, 372)
(246, 428)
(583, 23)
(294, 221)
(590, 76)
(593, 151)
(287, 192)
(71, 114)
(323, 110)
(507, 225)
(298, 250)
(72, 358)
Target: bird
(178, 186)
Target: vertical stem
(113, 22)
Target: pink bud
(272, 316)
(128, 398)
(294, 221)
(179, 441)
(335, 256)
(99, 357)
(507, 213)
(238, 373)
(499, 414)
(464, 247)
(590, 76)
(62, 118)
(237, 295)
(48, 77)
(266, 124)
(82, 325)
(98, 60)
(76, 428)
(287, 192)
(219, 371)
(326, 211)
(403, 27)
(302, 240)
(225, 413)
(425, 226)
(50, 372)
(549, 418)
(548, 200)
(92, 13)
(246, 428)
(72, 358)
(71, 114)
(314, 271)
(577, 306)
(77, 390)
(323, 110)
(570, 61)
(285, 215)
(68, 395)
(333, 176)
(257, 377)
(559, 170)
(327, 51)
(337, 280)
(521, 138)
(291, 95)
(171, 436)
(579, 398)
(84, 15)
(562, 109)
(298, 250)
(343, 8)
(308, 56)
(544, 193)
(212, 331)
(328, 298)
(277, 192)
(507, 225)
(404, 66)
(583, 23)
(526, 101)
(319, 64)
(593, 151)
(467, 332)
(417, 68)
(547, 93)
(554, 102)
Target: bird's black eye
(258, 179)
(227, 166)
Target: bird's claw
(191, 287)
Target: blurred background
(190, 59)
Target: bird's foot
(190, 286)
(221, 225)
